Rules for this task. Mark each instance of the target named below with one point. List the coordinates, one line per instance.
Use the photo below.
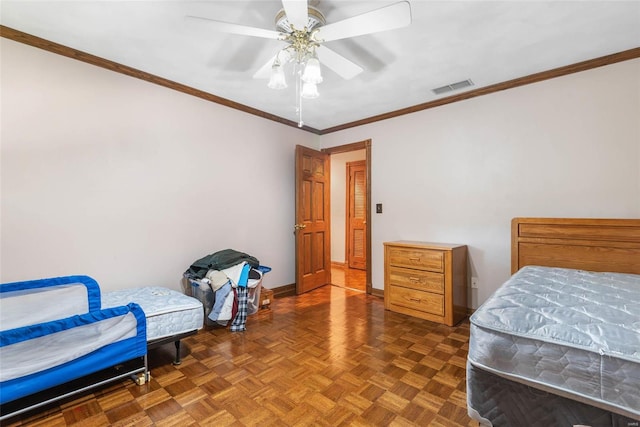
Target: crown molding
(59, 49)
(510, 84)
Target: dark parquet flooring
(330, 357)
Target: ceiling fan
(304, 30)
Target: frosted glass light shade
(277, 79)
(312, 72)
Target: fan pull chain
(298, 72)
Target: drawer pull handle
(414, 279)
(415, 259)
(415, 299)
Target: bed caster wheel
(142, 379)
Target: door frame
(366, 145)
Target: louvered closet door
(357, 215)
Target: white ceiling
(447, 41)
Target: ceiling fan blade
(227, 27)
(264, 72)
(338, 63)
(390, 17)
(297, 12)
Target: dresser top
(419, 244)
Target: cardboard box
(266, 296)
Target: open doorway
(350, 213)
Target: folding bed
(55, 331)
(61, 336)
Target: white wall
(567, 147)
(129, 182)
(338, 201)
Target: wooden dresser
(426, 280)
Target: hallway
(349, 278)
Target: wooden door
(312, 228)
(357, 215)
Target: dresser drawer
(417, 300)
(417, 279)
(417, 258)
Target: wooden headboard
(580, 243)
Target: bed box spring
(169, 313)
(509, 403)
(572, 333)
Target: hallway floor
(350, 278)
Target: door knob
(299, 226)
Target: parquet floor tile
(330, 357)
(350, 278)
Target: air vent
(452, 87)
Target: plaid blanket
(239, 322)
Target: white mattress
(168, 312)
(574, 333)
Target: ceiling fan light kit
(303, 28)
(302, 52)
